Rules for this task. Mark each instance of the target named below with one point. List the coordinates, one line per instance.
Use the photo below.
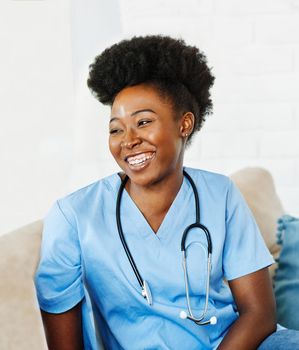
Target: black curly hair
(179, 72)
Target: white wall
(95, 25)
(36, 104)
(253, 47)
(53, 134)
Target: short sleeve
(244, 248)
(58, 279)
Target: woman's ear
(187, 124)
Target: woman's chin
(141, 179)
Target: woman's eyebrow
(112, 119)
(134, 113)
(143, 110)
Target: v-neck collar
(131, 215)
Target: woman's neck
(155, 200)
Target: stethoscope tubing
(207, 292)
(121, 234)
(143, 284)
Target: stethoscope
(145, 289)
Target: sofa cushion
(286, 278)
(257, 187)
(20, 321)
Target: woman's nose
(130, 139)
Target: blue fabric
(82, 258)
(281, 340)
(286, 278)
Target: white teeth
(138, 161)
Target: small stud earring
(186, 135)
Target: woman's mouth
(140, 160)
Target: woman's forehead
(137, 97)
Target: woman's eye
(114, 131)
(143, 122)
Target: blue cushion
(286, 278)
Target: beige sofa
(20, 322)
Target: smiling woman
(114, 249)
(147, 135)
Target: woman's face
(146, 139)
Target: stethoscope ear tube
(183, 314)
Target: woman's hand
(255, 301)
(64, 331)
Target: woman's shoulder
(91, 195)
(108, 183)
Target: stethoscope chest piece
(146, 293)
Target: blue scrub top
(82, 258)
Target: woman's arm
(254, 298)
(64, 331)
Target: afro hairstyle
(179, 72)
